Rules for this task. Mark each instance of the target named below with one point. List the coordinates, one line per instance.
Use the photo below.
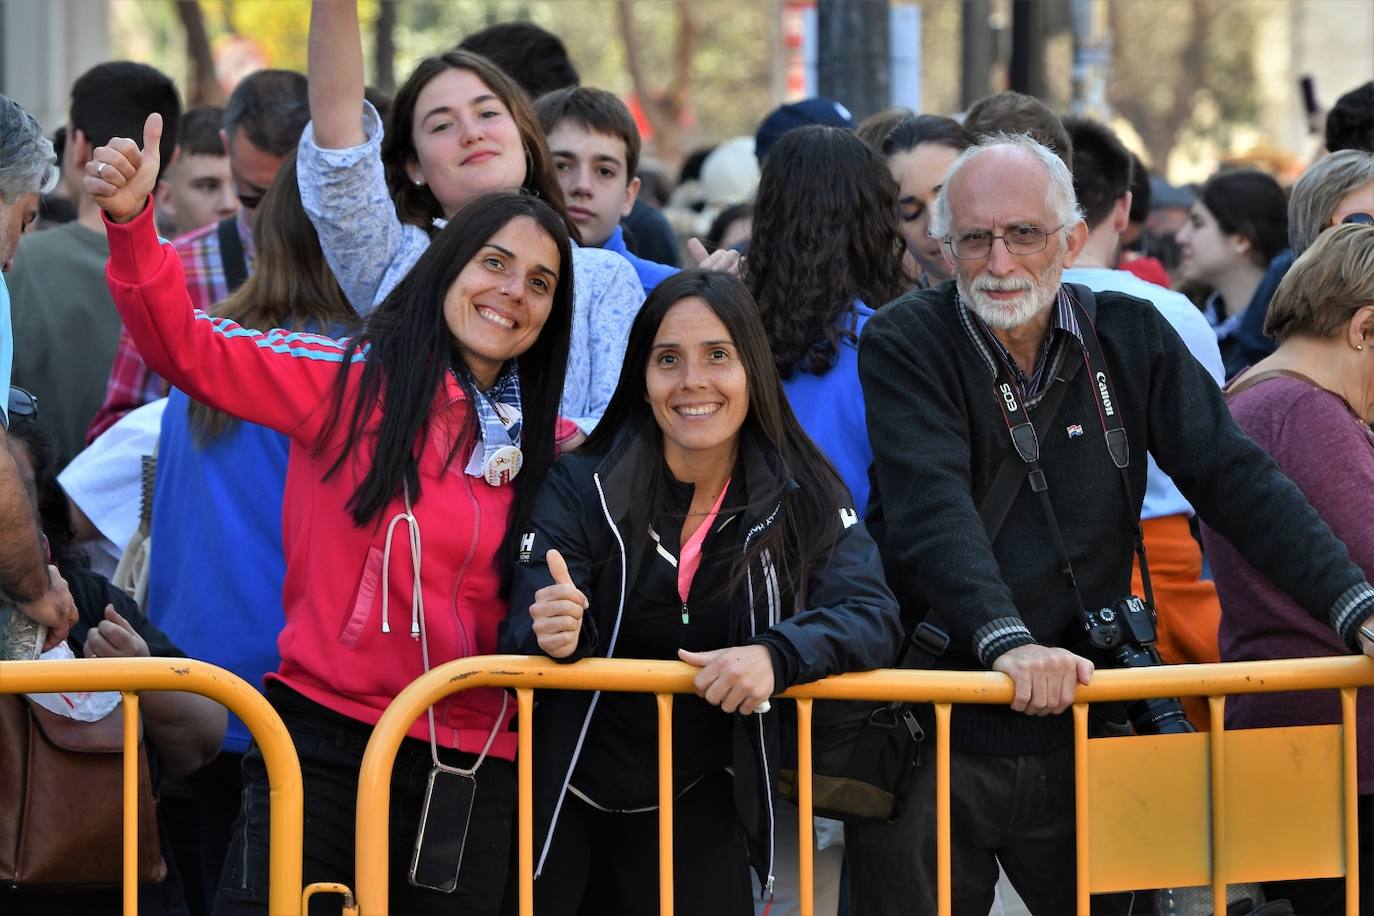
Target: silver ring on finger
(100, 170)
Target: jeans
(1018, 811)
(330, 747)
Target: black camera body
(1124, 636)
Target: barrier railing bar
(130, 803)
(943, 881)
(664, 702)
(641, 676)
(1082, 819)
(349, 907)
(524, 765)
(806, 865)
(1216, 708)
(1350, 800)
(134, 675)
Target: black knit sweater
(939, 438)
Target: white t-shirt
(105, 481)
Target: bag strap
(231, 253)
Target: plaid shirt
(132, 384)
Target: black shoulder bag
(231, 254)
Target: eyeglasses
(22, 403)
(974, 246)
(1363, 219)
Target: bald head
(1001, 167)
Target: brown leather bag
(61, 794)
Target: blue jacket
(216, 571)
(830, 408)
(651, 273)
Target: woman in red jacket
(413, 447)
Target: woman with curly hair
(826, 250)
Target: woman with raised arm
(396, 512)
(698, 522)
(458, 127)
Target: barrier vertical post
(130, 803)
(943, 881)
(1350, 800)
(1082, 820)
(1217, 709)
(805, 841)
(524, 761)
(665, 803)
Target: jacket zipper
(465, 643)
(763, 747)
(591, 708)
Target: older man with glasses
(1005, 379)
(28, 168)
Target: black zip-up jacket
(939, 438)
(591, 509)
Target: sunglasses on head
(1363, 219)
(22, 403)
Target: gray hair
(1318, 193)
(27, 162)
(1060, 199)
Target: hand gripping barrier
(1197, 791)
(129, 676)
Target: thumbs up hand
(557, 610)
(120, 176)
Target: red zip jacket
(333, 648)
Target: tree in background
(1185, 70)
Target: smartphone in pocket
(443, 831)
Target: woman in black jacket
(697, 522)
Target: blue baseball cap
(784, 118)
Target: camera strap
(1025, 440)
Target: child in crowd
(595, 147)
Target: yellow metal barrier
(1214, 812)
(132, 675)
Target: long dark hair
(1251, 204)
(416, 204)
(407, 349)
(291, 287)
(826, 232)
(811, 516)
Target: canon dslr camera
(1125, 635)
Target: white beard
(1036, 297)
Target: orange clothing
(1189, 612)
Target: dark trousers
(1018, 811)
(603, 863)
(199, 810)
(1323, 896)
(330, 747)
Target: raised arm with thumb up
(120, 176)
(557, 610)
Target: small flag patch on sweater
(1075, 430)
